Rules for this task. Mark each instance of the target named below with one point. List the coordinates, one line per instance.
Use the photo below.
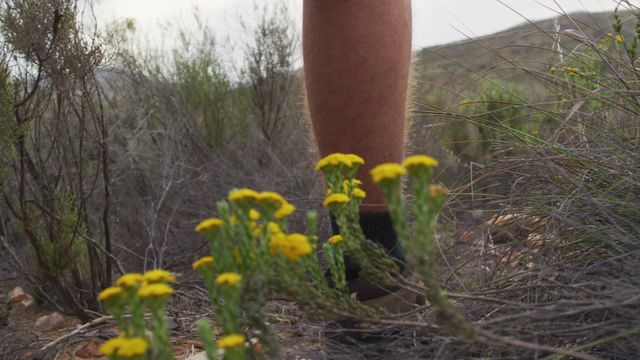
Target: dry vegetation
(110, 154)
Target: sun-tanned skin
(357, 56)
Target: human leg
(357, 58)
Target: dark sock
(378, 228)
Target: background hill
(530, 46)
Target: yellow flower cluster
(359, 194)
(285, 210)
(619, 38)
(336, 159)
(231, 341)
(110, 293)
(205, 261)
(336, 239)
(228, 279)
(209, 224)
(154, 290)
(419, 161)
(436, 191)
(129, 280)
(255, 229)
(335, 199)
(353, 186)
(387, 172)
(392, 171)
(266, 198)
(158, 276)
(292, 246)
(254, 215)
(123, 347)
(273, 228)
(243, 195)
(270, 197)
(152, 284)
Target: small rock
(257, 345)
(52, 321)
(173, 325)
(513, 227)
(535, 241)
(17, 296)
(198, 356)
(89, 351)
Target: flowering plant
(252, 253)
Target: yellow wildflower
(231, 341)
(349, 184)
(336, 239)
(207, 260)
(158, 276)
(124, 347)
(387, 171)
(619, 38)
(334, 159)
(354, 183)
(270, 197)
(277, 241)
(209, 224)
(419, 161)
(293, 246)
(133, 347)
(335, 199)
(254, 215)
(129, 280)
(285, 210)
(355, 159)
(297, 246)
(274, 228)
(337, 159)
(110, 293)
(233, 220)
(243, 194)
(255, 229)
(437, 190)
(228, 278)
(110, 347)
(155, 290)
(359, 194)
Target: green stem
(161, 342)
(207, 337)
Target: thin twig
(532, 346)
(78, 330)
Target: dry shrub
(187, 130)
(571, 280)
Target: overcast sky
(435, 21)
